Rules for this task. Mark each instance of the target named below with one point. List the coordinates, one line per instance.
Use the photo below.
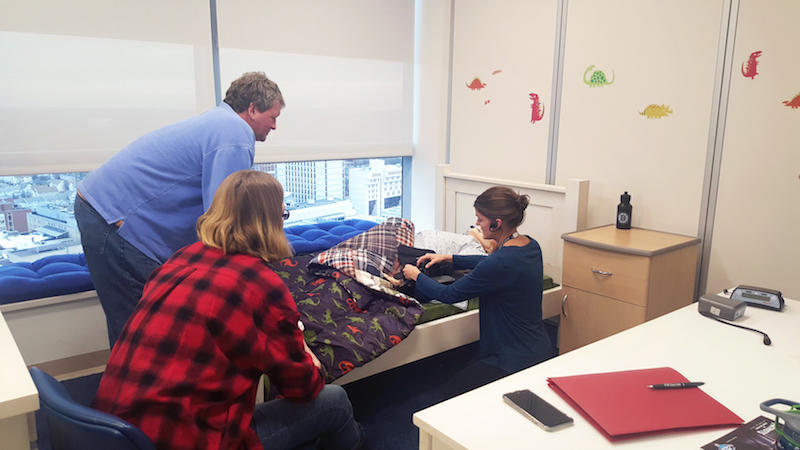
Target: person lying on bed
(509, 284)
(212, 319)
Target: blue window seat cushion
(313, 238)
(46, 277)
(67, 274)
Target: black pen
(676, 385)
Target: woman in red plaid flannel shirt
(211, 320)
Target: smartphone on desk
(537, 409)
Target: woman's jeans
(326, 422)
(118, 269)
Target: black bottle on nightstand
(624, 210)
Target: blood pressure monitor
(761, 297)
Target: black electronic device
(761, 297)
(536, 409)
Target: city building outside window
(37, 218)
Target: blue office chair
(77, 427)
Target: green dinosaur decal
(309, 301)
(376, 327)
(300, 280)
(326, 318)
(395, 311)
(351, 338)
(310, 317)
(356, 319)
(383, 347)
(358, 357)
(327, 350)
(598, 77)
(284, 275)
(338, 305)
(310, 335)
(335, 289)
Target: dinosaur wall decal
(537, 108)
(752, 65)
(598, 78)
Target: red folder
(620, 404)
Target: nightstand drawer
(611, 274)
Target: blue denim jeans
(326, 422)
(118, 269)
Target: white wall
(431, 81)
(667, 53)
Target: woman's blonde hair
(246, 216)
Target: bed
(553, 210)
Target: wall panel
(662, 53)
(755, 239)
(509, 46)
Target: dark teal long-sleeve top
(509, 284)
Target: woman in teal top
(509, 284)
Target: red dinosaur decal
(395, 339)
(318, 281)
(537, 112)
(752, 65)
(289, 262)
(354, 329)
(476, 84)
(346, 366)
(352, 304)
(794, 103)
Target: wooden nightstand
(615, 279)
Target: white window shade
(345, 69)
(80, 80)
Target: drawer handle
(564, 303)
(601, 272)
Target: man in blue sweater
(142, 204)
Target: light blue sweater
(162, 182)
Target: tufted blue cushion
(321, 236)
(67, 274)
(47, 277)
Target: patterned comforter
(351, 314)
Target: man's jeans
(118, 269)
(281, 424)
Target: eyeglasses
(286, 215)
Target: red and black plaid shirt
(186, 366)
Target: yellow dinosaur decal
(656, 111)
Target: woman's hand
(433, 258)
(411, 272)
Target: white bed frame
(553, 211)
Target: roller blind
(345, 69)
(79, 80)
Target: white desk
(18, 395)
(739, 370)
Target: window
(39, 216)
(321, 191)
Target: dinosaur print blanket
(348, 323)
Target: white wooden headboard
(553, 210)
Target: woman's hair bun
(523, 201)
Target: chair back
(77, 427)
